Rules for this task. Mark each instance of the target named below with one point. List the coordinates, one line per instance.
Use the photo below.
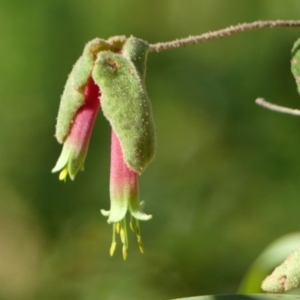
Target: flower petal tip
(104, 212)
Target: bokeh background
(225, 181)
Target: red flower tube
(76, 145)
(124, 195)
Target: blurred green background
(225, 181)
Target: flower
(124, 189)
(124, 195)
(76, 145)
(110, 74)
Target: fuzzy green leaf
(136, 50)
(73, 94)
(125, 102)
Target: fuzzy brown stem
(213, 35)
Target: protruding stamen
(131, 225)
(118, 225)
(137, 228)
(139, 237)
(122, 235)
(141, 246)
(114, 242)
(124, 252)
(63, 174)
(121, 229)
(112, 248)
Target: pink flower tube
(76, 145)
(124, 195)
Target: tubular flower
(76, 145)
(124, 195)
(111, 73)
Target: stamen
(63, 174)
(124, 237)
(135, 227)
(112, 248)
(124, 252)
(121, 229)
(114, 242)
(139, 236)
(141, 246)
(118, 225)
(131, 224)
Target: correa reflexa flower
(124, 194)
(76, 145)
(111, 74)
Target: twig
(192, 40)
(281, 109)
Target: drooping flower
(124, 195)
(76, 145)
(110, 74)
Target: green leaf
(73, 94)
(125, 102)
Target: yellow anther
(140, 243)
(131, 225)
(118, 225)
(121, 229)
(124, 252)
(122, 235)
(141, 247)
(63, 174)
(112, 248)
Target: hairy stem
(213, 35)
(281, 109)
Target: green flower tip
(63, 166)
